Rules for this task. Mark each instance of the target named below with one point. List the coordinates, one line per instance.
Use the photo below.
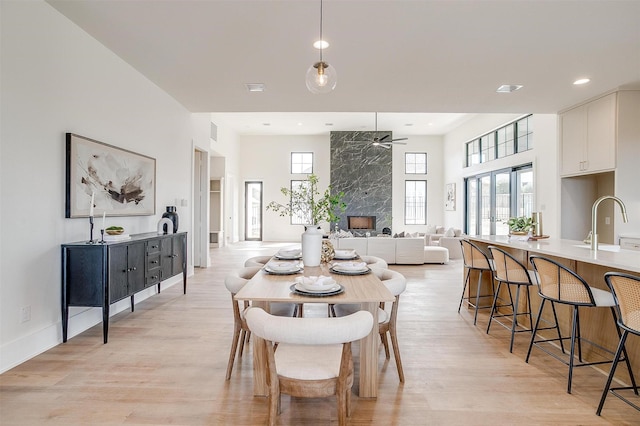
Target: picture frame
(450, 203)
(120, 182)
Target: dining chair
(257, 261)
(558, 284)
(234, 281)
(374, 262)
(510, 271)
(387, 314)
(313, 357)
(474, 259)
(626, 293)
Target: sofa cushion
(431, 229)
(450, 233)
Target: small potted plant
(519, 225)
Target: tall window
(301, 214)
(507, 140)
(415, 202)
(302, 162)
(415, 163)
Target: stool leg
(493, 305)
(555, 317)
(515, 317)
(464, 288)
(535, 328)
(478, 288)
(605, 392)
(574, 332)
(624, 352)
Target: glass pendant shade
(321, 78)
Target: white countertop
(607, 255)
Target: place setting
(282, 268)
(345, 254)
(316, 286)
(289, 254)
(350, 268)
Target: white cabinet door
(601, 134)
(573, 142)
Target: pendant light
(321, 77)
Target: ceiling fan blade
(399, 139)
(382, 139)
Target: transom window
(302, 162)
(507, 140)
(415, 202)
(415, 163)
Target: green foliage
(520, 224)
(306, 201)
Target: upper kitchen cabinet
(588, 137)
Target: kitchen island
(596, 324)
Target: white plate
(304, 289)
(345, 254)
(283, 266)
(344, 268)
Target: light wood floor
(165, 364)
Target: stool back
(558, 283)
(473, 257)
(507, 268)
(626, 292)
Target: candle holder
(91, 230)
(102, 236)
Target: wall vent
(214, 132)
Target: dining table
(365, 289)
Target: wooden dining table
(365, 289)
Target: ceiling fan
(385, 141)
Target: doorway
(253, 211)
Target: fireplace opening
(361, 222)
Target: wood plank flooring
(165, 364)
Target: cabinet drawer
(630, 243)
(153, 246)
(153, 261)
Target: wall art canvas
(450, 203)
(120, 182)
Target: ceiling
(410, 60)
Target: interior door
(253, 211)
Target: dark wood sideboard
(101, 274)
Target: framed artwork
(104, 179)
(450, 203)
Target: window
(302, 162)
(492, 198)
(415, 163)
(507, 140)
(415, 202)
(301, 214)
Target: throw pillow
(450, 233)
(457, 232)
(431, 229)
(440, 230)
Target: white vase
(311, 246)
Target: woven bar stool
(626, 292)
(508, 270)
(558, 284)
(475, 259)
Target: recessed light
(266, 124)
(580, 81)
(328, 124)
(409, 124)
(255, 87)
(321, 44)
(508, 88)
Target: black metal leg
(105, 323)
(574, 332)
(623, 339)
(624, 352)
(555, 317)
(478, 288)
(514, 307)
(466, 280)
(535, 328)
(493, 305)
(132, 304)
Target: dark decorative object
(173, 215)
(386, 231)
(124, 182)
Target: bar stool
(626, 293)
(475, 259)
(508, 270)
(558, 284)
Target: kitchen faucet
(594, 217)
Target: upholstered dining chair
(234, 281)
(559, 284)
(257, 261)
(374, 262)
(387, 313)
(475, 259)
(626, 293)
(313, 357)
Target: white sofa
(404, 251)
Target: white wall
(434, 147)
(544, 157)
(55, 78)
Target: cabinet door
(166, 261)
(177, 254)
(118, 271)
(136, 266)
(574, 137)
(601, 134)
